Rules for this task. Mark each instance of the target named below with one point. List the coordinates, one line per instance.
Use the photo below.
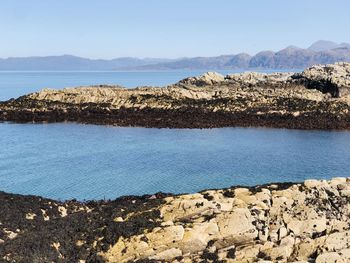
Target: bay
(68, 160)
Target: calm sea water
(87, 161)
(68, 160)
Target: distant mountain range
(69, 62)
(320, 52)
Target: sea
(78, 161)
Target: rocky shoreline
(317, 98)
(287, 222)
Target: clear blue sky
(164, 28)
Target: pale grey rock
(331, 78)
(168, 254)
(303, 224)
(208, 78)
(258, 79)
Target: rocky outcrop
(288, 222)
(209, 78)
(317, 98)
(259, 79)
(333, 78)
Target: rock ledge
(287, 222)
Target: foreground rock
(317, 98)
(306, 222)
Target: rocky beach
(281, 222)
(285, 222)
(174, 131)
(317, 98)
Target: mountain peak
(292, 47)
(323, 45)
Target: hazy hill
(320, 52)
(68, 62)
(323, 45)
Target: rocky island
(317, 98)
(286, 222)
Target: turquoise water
(87, 161)
(68, 160)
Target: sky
(165, 28)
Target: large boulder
(208, 78)
(331, 78)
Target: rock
(143, 245)
(310, 226)
(332, 78)
(166, 235)
(167, 223)
(311, 183)
(329, 257)
(338, 180)
(30, 216)
(345, 192)
(259, 79)
(45, 216)
(208, 78)
(307, 248)
(197, 237)
(63, 211)
(241, 233)
(188, 206)
(337, 241)
(283, 251)
(10, 234)
(168, 254)
(282, 232)
(119, 219)
(247, 254)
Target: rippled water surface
(88, 161)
